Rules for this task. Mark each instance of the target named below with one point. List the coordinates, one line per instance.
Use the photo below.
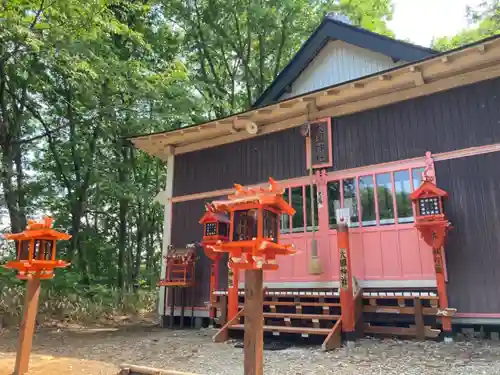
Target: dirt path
(99, 352)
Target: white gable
(339, 62)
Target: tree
(234, 49)
(486, 20)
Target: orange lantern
(430, 218)
(215, 228)
(36, 260)
(254, 231)
(433, 226)
(36, 250)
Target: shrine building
(375, 107)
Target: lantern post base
(27, 328)
(254, 323)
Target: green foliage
(78, 77)
(236, 48)
(487, 23)
(65, 299)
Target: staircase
(314, 313)
(404, 313)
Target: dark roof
(332, 29)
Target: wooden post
(232, 294)
(442, 294)
(27, 328)
(419, 319)
(183, 306)
(214, 283)
(254, 323)
(172, 309)
(346, 288)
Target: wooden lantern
(35, 260)
(180, 270)
(430, 219)
(36, 250)
(253, 245)
(254, 231)
(215, 228)
(433, 225)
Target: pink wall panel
(334, 254)
(357, 254)
(391, 254)
(373, 255)
(410, 256)
(426, 258)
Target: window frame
(373, 172)
(304, 183)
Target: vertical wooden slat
(419, 319)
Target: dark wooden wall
(455, 119)
(460, 118)
(473, 246)
(279, 155)
(185, 230)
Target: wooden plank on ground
(223, 333)
(127, 369)
(333, 340)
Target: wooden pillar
(183, 306)
(419, 319)
(442, 294)
(232, 293)
(27, 328)
(346, 287)
(164, 197)
(172, 308)
(254, 323)
(214, 282)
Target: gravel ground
(193, 351)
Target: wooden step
(302, 330)
(400, 331)
(301, 316)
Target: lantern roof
(39, 229)
(428, 189)
(272, 197)
(211, 216)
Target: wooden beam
(419, 78)
(223, 333)
(333, 340)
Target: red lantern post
(433, 226)
(216, 228)
(36, 260)
(253, 245)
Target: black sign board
(319, 143)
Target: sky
(421, 20)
